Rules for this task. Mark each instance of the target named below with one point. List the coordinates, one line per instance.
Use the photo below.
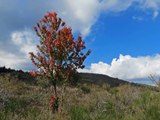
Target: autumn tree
(59, 55)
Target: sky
(124, 35)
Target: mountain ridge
(92, 78)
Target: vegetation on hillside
(23, 97)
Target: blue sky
(124, 35)
(115, 34)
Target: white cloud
(25, 41)
(138, 18)
(11, 60)
(116, 5)
(81, 15)
(128, 67)
(155, 14)
(153, 5)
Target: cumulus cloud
(81, 15)
(154, 5)
(116, 5)
(12, 60)
(24, 42)
(128, 67)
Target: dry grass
(21, 100)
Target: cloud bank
(11, 60)
(24, 42)
(127, 67)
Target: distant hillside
(83, 77)
(101, 79)
(16, 75)
(9, 70)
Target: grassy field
(26, 98)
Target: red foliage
(59, 55)
(58, 51)
(32, 73)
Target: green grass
(79, 113)
(27, 100)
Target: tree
(155, 79)
(59, 55)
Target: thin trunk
(55, 89)
(54, 98)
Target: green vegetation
(22, 99)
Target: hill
(9, 70)
(83, 77)
(101, 79)
(95, 97)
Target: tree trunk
(54, 98)
(55, 88)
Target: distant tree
(59, 55)
(155, 79)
